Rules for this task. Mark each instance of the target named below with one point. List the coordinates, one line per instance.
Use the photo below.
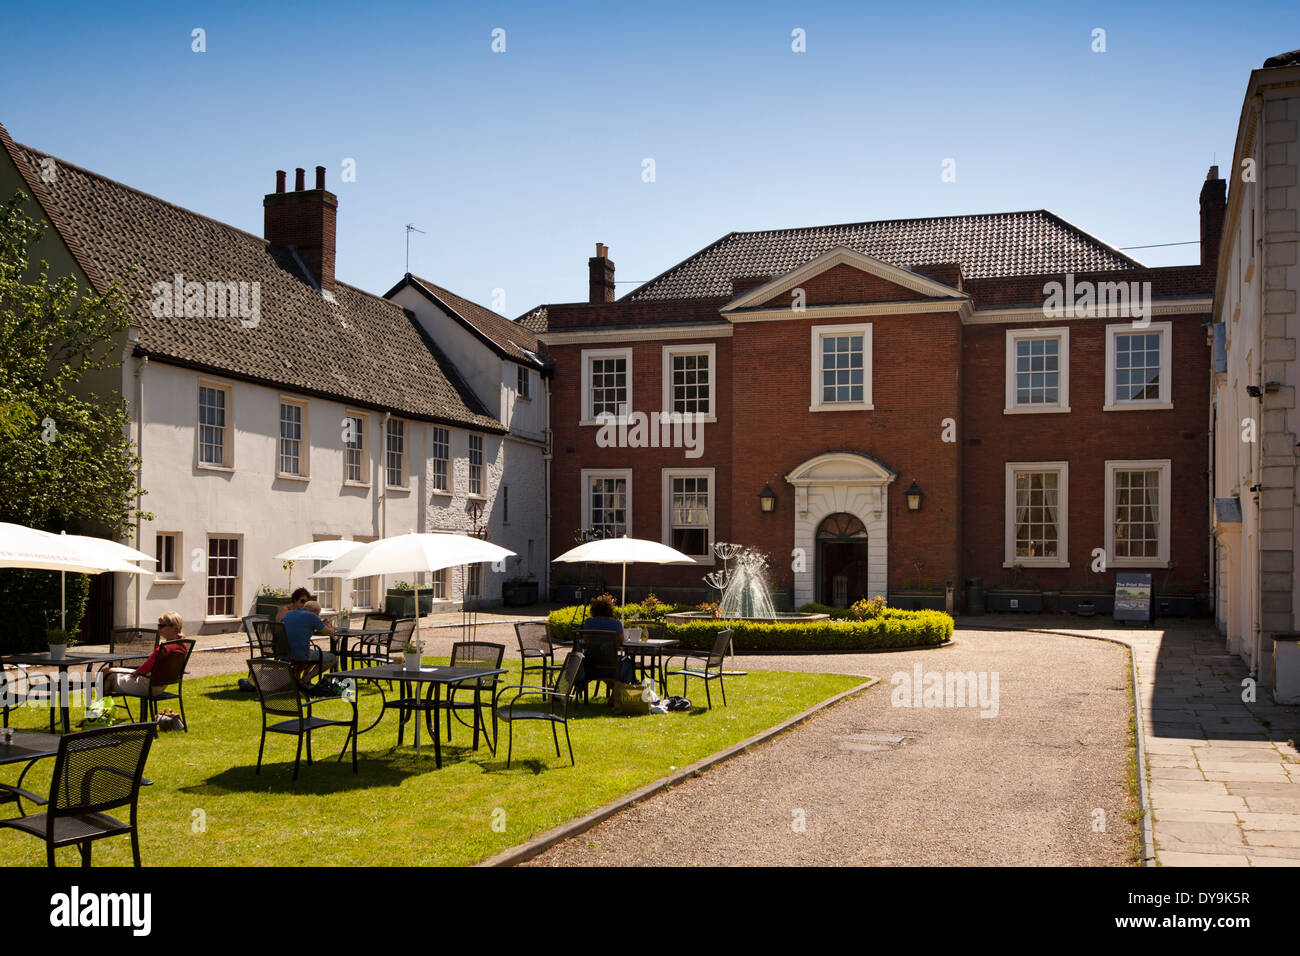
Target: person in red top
(126, 680)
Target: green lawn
(208, 808)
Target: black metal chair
(566, 685)
(536, 651)
(708, 669)
(600, 652)
(168, 671)
(267, 633)
(281, 696)
(375, 620)
(249, 622)
(379, 649)
(94, 771)
(471, 654)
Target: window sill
(1034, 410)
(441, 492)
(288, 477)
(597, 422)
(401, 488)
(228, 469)
(1137, 563)
(1032, 563)
(1138, 407)
(673, 417)
(842, 407)
(476, 498)
(357, 484)
(158, 580)
(220, 620)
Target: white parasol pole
(63, 600)
(623, 608)
(418, 653)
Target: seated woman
(125, 680)
(298, 601)
(601, 661)
(602, 616)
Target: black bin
(974, 595)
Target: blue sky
(517, 163)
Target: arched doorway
(842, 560)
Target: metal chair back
(567, 682)
(376, 620)
(403, 630)
(97, 770)
(251, 633)
(277, 687)
(720, 645)
(136, 641)
(268, 634)
(169, 668)
(534, 641)
(600, 649)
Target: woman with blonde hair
(125, 680)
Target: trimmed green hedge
(892, 628)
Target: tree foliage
(66, 458)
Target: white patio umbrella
(330, 550)
(33, 549)
(412, 554)
(624, 551)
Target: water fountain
(743, 591)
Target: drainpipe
(547, 456)
(381, 482)
(139, 471)
(1256, 469)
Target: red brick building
(1041, 391)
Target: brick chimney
(304, 219)
(600, 272)
(1214, 206)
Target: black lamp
(767, 499)
(913, 497)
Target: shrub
(889, 628)
(865, 610)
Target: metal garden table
(409, 682)
(61, 692)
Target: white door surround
(834, 482)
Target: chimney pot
(299, 179)
(279, 180)
(320, 177)
(304, 219)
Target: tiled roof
(995, 244)
(535, 319)
(360, 348)
(508, 338)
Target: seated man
(299, 626)
(126, 680)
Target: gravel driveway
(876, 784)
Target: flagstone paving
(1222, 769)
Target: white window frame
(672, 351)
(304, 441)
(586, 418)
(406, 455)
(666, 493)
(364, 450)
(449, 460)
(470, 493)
(1063, 391)
(178, 557)
(590, 473)
(438, 585)
(227, 430)
(374, 580)
(1062, 559)
(238, 597)
(1166, 399)
(524, 384)
(1165, 467)
(818, 333)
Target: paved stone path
(870, 783)
(1223, 772)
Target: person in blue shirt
(300, 625)
(602, 616)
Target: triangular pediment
(888, 283)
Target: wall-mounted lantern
(913, 497)
(767, 499)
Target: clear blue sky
(517, 163)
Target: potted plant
(343, 618)
(58, 639)
(926, 598)
(412, 651)
(399, 600)
(1017, 595)
(270, 599)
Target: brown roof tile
(508, 339)
(359, 348)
